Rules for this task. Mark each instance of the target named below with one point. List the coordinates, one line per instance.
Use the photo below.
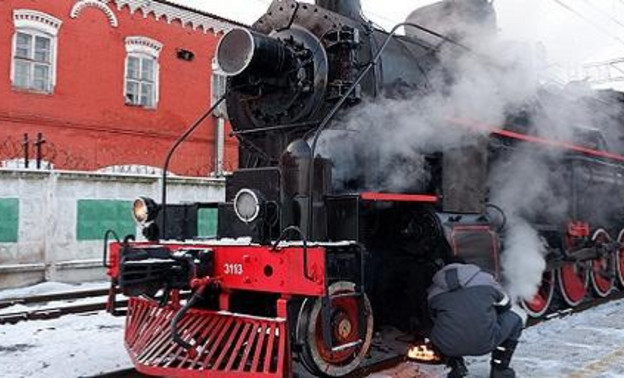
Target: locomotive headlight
(144, 210)
(247, 204)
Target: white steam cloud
(383, 144)
(523, 260)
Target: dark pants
(510, 327)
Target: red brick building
(108, 84)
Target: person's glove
(503, 305)
(521, 313)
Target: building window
(142, 72)
(34, 51)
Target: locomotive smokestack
(348, 8)
(245, 51)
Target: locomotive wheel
(620, 260)
(572, 282)
(601, 269)
(540, 303)
(315, 355)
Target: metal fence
(37, 152)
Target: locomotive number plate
(233, 269)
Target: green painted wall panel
(9, 220)
(94, 217)
(207, 222)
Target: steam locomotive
(303, 270)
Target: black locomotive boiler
(303, 270)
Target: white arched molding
(99, 4)
(143, 45)
(32, 19)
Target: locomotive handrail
(479, 126)
(173, 148)
(305, 248)
(350, 90)
(273, 128)
(107, 235)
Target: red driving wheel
(601, 272)
(345, 330)
(572, 281)
(620, 259)
(540, 303)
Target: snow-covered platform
(587, 344)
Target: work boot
(501, 358)
(458, 367)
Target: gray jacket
(463, 301)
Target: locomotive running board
(226, 344)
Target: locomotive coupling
(146, 270)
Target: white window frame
(36, 24)
(143, 48)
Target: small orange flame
(423, 353)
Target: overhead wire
(602, 12)
(589, 21)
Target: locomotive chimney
(348, 8)
(246, 51)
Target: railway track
(55, 311)
(360, 373)
(52, 306)
(580, 308)
(122, 373)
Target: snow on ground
(71, 346)
(588, 344)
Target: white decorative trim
(170, 13)
(143, 45)
(31, 19)
(100, 4)
(134, 169)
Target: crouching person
(472, 316)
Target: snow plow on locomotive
(303, 269)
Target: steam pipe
(175, 332)
(346, 95)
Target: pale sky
(569, 39)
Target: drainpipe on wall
(218, 88)
(219, 146)
(51, 233)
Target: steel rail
(54, 312)
(53, 297)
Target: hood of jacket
(453, 277)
